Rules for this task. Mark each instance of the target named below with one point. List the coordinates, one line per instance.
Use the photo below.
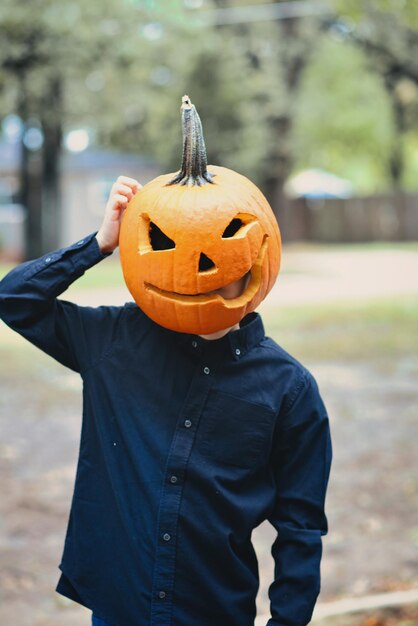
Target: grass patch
(368, 246)
(107, 273)
(5, 268)
(377, 330)
(370, 330)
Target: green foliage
(387, 33)
(406, 11)
(47, 38)
(125, 66)
(343, 122)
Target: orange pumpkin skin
(166, 283)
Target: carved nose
(205, 263)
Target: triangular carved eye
(158, 239)
(232, 228)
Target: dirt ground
(372, 500)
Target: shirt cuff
(83, 254)
(91, 251)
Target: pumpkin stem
(194, 164)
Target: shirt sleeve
(73, 335)
(302, 456)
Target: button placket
(181, 447)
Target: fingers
(118, 200)
(120, 197)
(124, 186)
(121, 189)
(133, 184)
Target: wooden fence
(370, 218)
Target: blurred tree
(276, 53)
(44, 46)
(387, 32)
(297, 39)
(117, 69)
(272, 94)
(343, 117)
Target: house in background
(87, 177)
(317, 184)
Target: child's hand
(122, 191)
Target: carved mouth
(247, 294)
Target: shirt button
(173, 479)
(161, 594)
(166, 537)
(194, 344)
(80, 243)
(48, 259)
(237, 351)
(206, 370)
(187, 423)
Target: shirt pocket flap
(235, 432)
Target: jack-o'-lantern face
(180, 243)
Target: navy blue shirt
(186, 446)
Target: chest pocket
(235, 432)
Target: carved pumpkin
(185, 236)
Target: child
(188, 443)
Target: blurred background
(317, 103)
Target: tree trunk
(279, 164)
(396, 163)
(30, 179)
(274, 191)
(51, 171)
(295, 52)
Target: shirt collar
(250, 333)
(236, 342)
